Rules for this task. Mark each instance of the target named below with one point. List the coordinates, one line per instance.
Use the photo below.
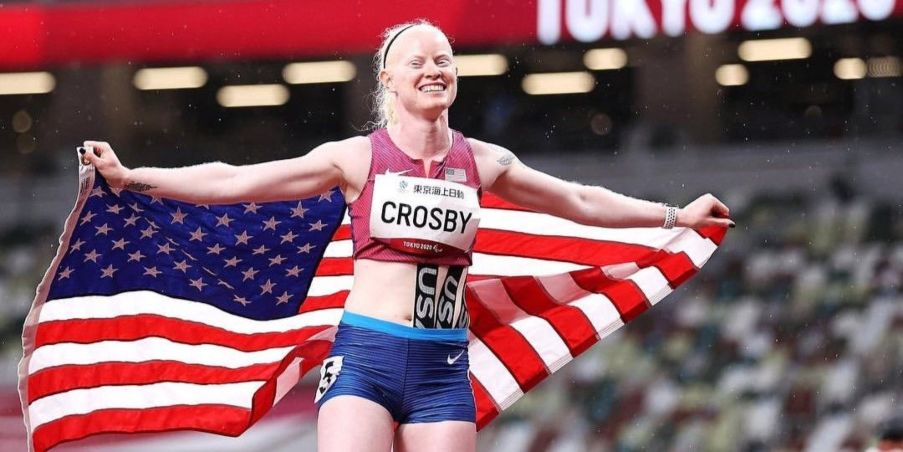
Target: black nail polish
(733, 225)
(81, 150)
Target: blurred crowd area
(791, 338)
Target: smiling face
(421, 73)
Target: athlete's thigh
(444, 436)
(351, 423)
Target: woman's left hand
(706, 210)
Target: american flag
(160, 315)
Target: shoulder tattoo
(138, 187)
(506, 157)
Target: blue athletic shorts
(417, 374)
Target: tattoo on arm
(507, 157)
(138, 187)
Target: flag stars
(298, 212)
(294, 271)
(151, 271)
(64, 274)
(87, 218)
(98, 191)
(233, 262)
(276, 260)
(165, 249)
(318, 226)
(120, 244)
(103, 230)
(243, 238)
(291, 236)
(77, 246)
(156, 199)
(198, 234)
(183, 265)
(215, 249)
(199, 284)
(267, 287)
(134, 206)
(260, 250)
(132, 220)
(92, 256)
(270, 224)
(178, 216)
(108, 272)
(241, 300)
(251, 207)
(283, 299)
(326, 196)
(306, 248)
(224, 220)
(250, 273)
(114, 209)
(136, 256)
(148, 232)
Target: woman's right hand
(105, 161)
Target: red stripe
(336, 300)
(626, 296)
(506, 342)
(487, 410)
(676, 268)
(64, 378)
(127, 328)
(566, 249)
(343, 232)
(335, 266)
(221, 419)
(569, 322)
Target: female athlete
(397, 373)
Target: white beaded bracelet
(670, 216)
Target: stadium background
(790, 339)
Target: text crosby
(437, 219)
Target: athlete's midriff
(422, 296)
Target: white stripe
(493, 374)
(150, 349)
(537, 331)
(652, 283)
(339, 248)
(698, 248)
(147, 302)
(601, 313)
(287, 379)
(542, 224)
(83, 401)
(328, 285)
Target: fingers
(97, 150)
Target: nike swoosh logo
(390, 173)
(452, 360)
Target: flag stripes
(540, 292)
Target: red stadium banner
(43, 35)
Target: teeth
(432, 88)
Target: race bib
(424, 216)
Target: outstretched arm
(221, 183)
(503, 174)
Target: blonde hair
(383, 100)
